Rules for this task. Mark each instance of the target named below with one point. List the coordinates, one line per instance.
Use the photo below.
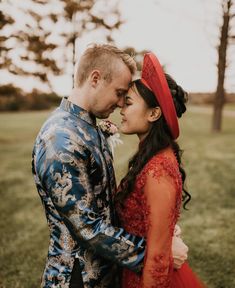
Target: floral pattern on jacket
(73, 172)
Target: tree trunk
(222, 51)
(74, 55)
(73, 21)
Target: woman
(149, 197)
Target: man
(73, 171)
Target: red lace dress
(151, 211)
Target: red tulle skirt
(186, 278)
(181, 278)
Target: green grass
(208, 226)
(230, 106)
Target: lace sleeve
(160, 193)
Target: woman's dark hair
(158, 138)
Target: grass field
(208, 226)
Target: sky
(176, 32)
(182, 33)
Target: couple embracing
(102, 235)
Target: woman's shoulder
(164, 162)
(166, 156)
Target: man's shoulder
(62, 129)
(61, 120)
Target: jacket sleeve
(65, 174)
(160, 196)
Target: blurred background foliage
(39, 39)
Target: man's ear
(95, 77)
(155, 114)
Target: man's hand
(179, 249)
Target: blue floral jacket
(73, 171)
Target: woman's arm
(160, 192)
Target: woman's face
(135, 115)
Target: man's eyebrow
(122, 90)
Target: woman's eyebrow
(128, 97)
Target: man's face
(110, 95)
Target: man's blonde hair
(102, 57)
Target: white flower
(110, 130)
(108, 127)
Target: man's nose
(121, 102)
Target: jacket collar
(77, 111)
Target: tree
(38, 47)
(222, 64)
(27, 50)
(30, 48)
(5, 21)
(87, 16)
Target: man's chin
(103, 115)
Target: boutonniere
(110, 131)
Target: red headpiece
(154, 78)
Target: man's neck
(78, 97)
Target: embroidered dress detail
(151, 210)
(158, 187)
